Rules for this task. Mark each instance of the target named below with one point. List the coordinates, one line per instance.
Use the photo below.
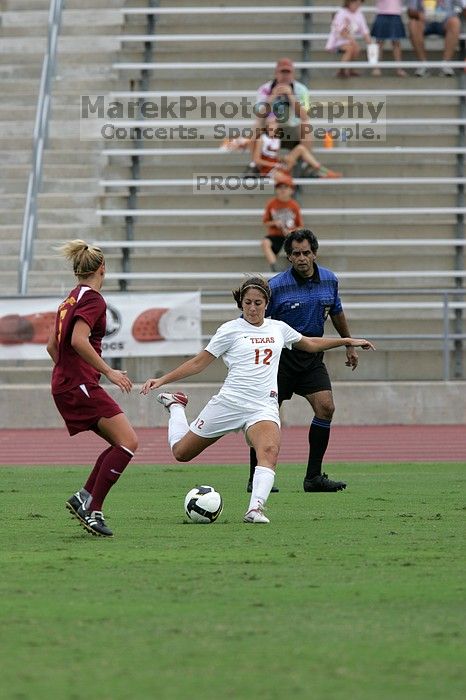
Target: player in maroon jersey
(75, 347)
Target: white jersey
(252, 354)
(270, 146)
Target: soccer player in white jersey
(250, 347)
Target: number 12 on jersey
(262, 356)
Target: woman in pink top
(347, 26)
(388, 25)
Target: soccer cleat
(168, 399)
(322, 484)
(275, 489)
(255, 515)
(93, 521)
(74, 503)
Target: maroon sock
(113, 465)
(89, 485)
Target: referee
(304, 296)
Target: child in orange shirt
(282, 215)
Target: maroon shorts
(82, 407)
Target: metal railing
(39, 141)
(140, 85)
(450, 305)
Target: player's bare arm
(187, 369)
(52, 347)
(80, 343)
(322, 344)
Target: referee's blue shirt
(305, 303)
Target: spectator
(438, 17)
(75, 348)
(250, 347)
(347, 26)
(268, 162)
(282, 215)
(303, 297)
(388, 25)
(289, 100)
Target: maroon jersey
(71, 370)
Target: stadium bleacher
(398, 211)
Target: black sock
(252, 463)
(319, 434)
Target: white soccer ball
(203, 504)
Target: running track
(375, 443)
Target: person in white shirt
(250, 347)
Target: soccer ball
(203, 504)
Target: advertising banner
(138, 325)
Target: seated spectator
(389, 25)
(348, 25)
(282, 215)
(287, 98)
(439, 17)
(266, 156)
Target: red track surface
(381, 443)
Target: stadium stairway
(19, 82)
(88, 44)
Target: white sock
(261, 486)
(177, 424)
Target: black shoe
(93, 521)
(321, 483)
(275, 489)
(74, 503)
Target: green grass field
(357, 595)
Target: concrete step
(206, 230)
(53, 231)
(30, 23)
(349, 166)
(43, 5)
(244, 79)
(22, 77)
(380, 402)
(72, 216)
(232, 184)
(70, 185)
(240, 261)
(67, 200)
(12, 186)
(393, 358)
(323, 197)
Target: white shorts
(218, 418)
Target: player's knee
(326, 410)
(270, 453)
(180, 454)
(130, 444)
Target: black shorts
(301, 373)
(277, 243)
